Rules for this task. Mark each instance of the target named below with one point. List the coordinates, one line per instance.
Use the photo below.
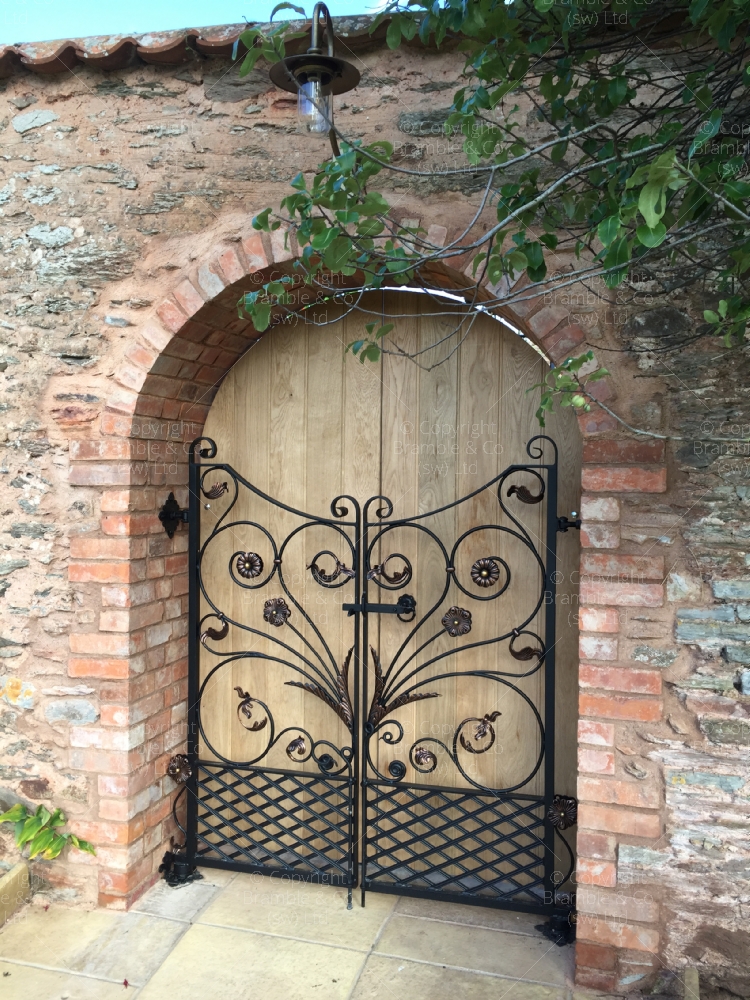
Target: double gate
(402, 739)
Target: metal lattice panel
(275, 820)
(462, 842)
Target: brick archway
(137, 649)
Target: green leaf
(651, 237)
(41, 842)
(652, 203)
(29, 830)
(248, 63)
(607, 229)
(337, 253)
(370, 353)
(261, 316)
(14, 815)
(57, 818)
(710, 316)
(393, 34)
(55, 847)
(617, 90)
(287, 6)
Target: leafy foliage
(41, 831)
(639, 180)
(566, 384)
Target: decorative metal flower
(563, 812)
(249, 565)
(425, 758)
(276, 611)
(457, 621)
(485, 572)
(179, 768)
(297, 746)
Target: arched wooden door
(379, 689)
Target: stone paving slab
(232, 936)
(477, 948)
(299, 910)
(222, 963)
(27, 983)
(397, 979)
(111, 946)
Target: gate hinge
(564, 522)
(172, 515)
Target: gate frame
(561, 903)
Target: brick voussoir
(189, 298)
(171, 315)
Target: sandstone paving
(238, 935)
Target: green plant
(41, 831)
(637, 180)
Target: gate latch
(563, 523)
(405, 608)
(172, 515)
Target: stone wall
(125, 205)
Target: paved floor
(231, 937)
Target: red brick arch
(137, 650)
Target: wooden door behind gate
(305, 423)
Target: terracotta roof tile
(108, 52)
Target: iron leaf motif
(525, 495)
(342, 707)
(245, 708)
(378, 708)
(457, 621)
(563, 812)
(320, 576)
(401, 576)
(297, 746)
(425, 758)
(526, 652)
(483, 728)
(216, 491)
(215, 633)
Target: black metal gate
(460, 839)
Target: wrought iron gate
(432, 825)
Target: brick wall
(126, 243)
